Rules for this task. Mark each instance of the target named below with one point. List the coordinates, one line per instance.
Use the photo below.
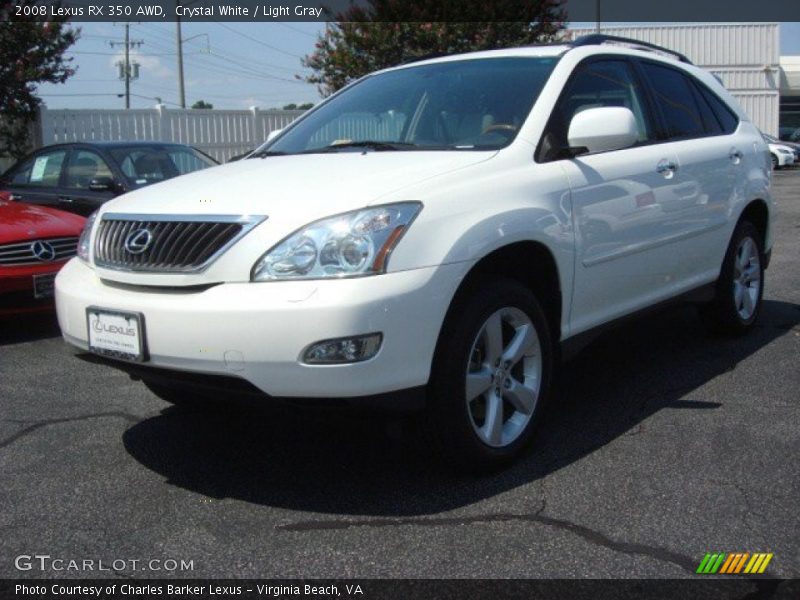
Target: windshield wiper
(266, 153)
(368, 144)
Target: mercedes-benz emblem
(43, 251)
(138, 240)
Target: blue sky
(231, 65)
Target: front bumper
(258, 331)
(16, 289)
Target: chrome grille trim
(21, 253)
(181, 243)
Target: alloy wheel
(746, 278)
(503, 378)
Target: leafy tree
(291, 106)
(305, 106)
(31, 53)
(202, 104)
(383, 33)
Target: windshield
(143, 165)
(476, 104)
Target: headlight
(86, 237)
(349, 245)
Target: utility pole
(597, 5)
(127, 70)
(127, 65)
(181, 87)
(180, 41)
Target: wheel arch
(757, 213)
(529, 262)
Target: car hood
(20, 221)
(304, 186)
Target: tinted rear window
(675, 101)
(726, 117)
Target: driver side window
(597, 84)
(85, 165)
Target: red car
(35, 242)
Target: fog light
(343, 350)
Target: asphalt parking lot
(665, 444)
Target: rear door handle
(666, 167)
(67, 199)
(16, 197)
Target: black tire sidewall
(727, 315)
(447, 407)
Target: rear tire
(740, 286)
(491, 376)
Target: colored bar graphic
(737, 557)
(718, 562)
(766, 562)
(754, 563)
(727, 564)
(741, 562)
(703, 563)
(730, 565)
(711, 562)
(734, 563)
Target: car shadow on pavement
(28, 328)
(352, 464)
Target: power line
(247, 68)
(228, 55)
(79, 95)
(297, 29)
(117, 53)
(257, 41)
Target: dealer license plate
(44, 286)
(116, 334)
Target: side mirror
(602, 129)
(273, 134)
(102, 184)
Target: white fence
(219, 133)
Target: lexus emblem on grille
(44, 251)
(138, 241)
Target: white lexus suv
(437, 235)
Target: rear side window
(712, 124)
(676, 101)
(42, 170)
(726, 117)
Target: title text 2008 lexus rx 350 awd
(433, 234)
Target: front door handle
(666, 167)
(735, 155)
(16, 197)
(67, 199)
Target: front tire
(740, 287)
(491, 376)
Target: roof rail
(594, 39)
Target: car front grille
(166, 243)
(36, 252)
